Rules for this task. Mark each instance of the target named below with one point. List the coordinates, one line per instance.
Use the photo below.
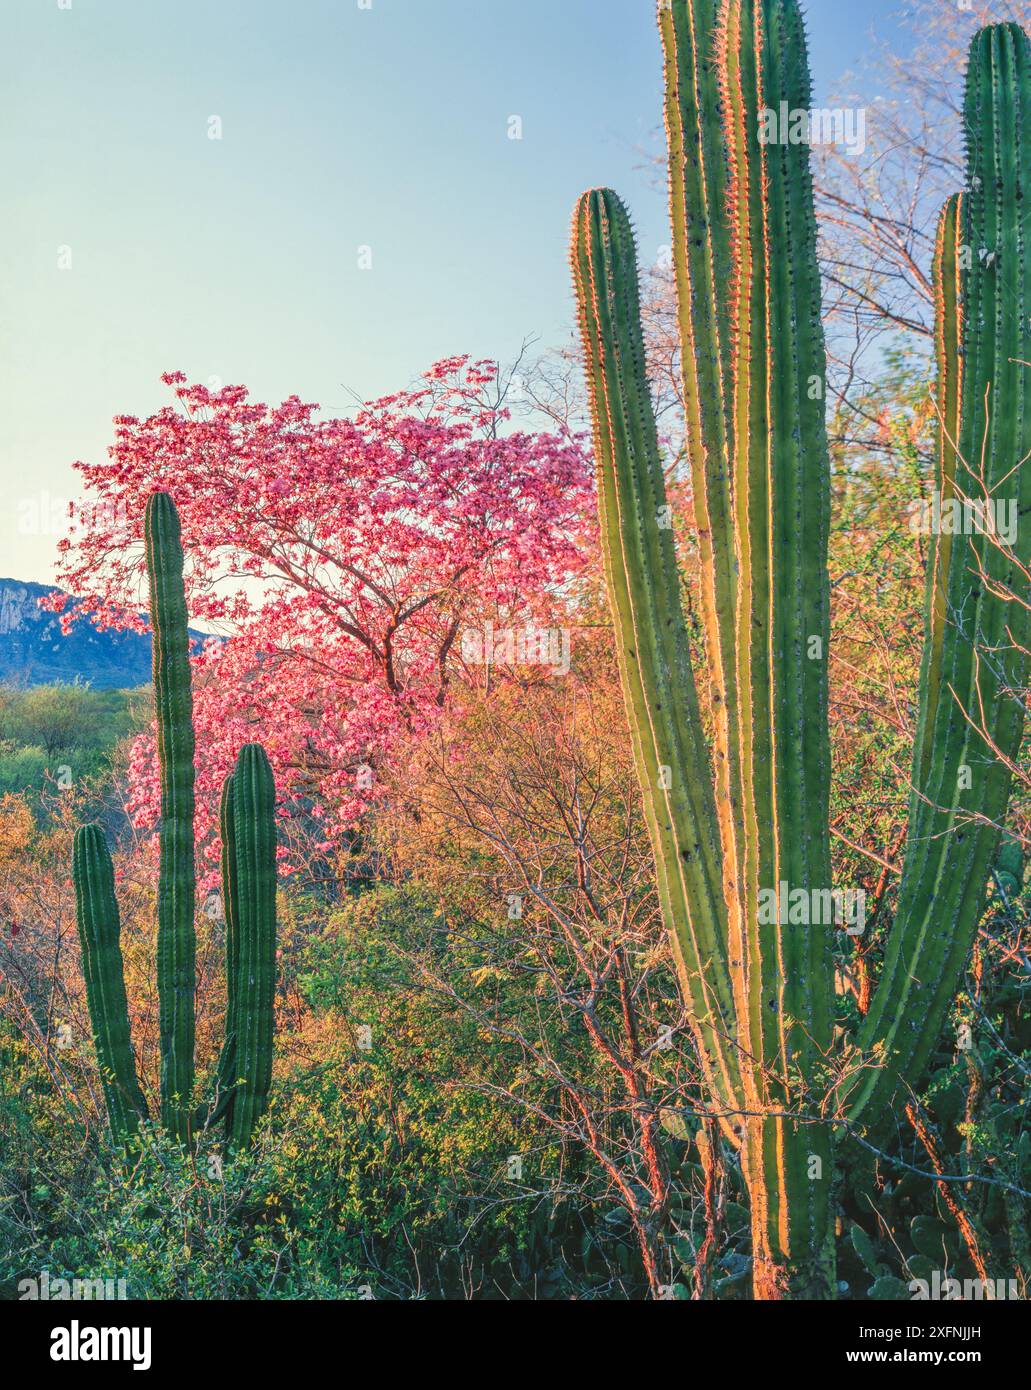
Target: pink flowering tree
(339, 562)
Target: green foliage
(54, 717)
(56, 736)
(381, 1169)
(22, 770)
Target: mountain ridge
(34, 650)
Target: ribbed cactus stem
(651, 638)
(99, 928)
(225, 1072)
(253, 801)
(781, 490)
(971, 714)
(173, 704)
(703, 271)
(947, 278)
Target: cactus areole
(739, 815)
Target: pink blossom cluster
(337, 562)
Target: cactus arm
(948, 329)
(99, 928)
(175, 740)
(962, 781)
(781, 486)
(254, 839)
(804, 529)
(651, 638)
(702, 268)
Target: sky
(132, 242)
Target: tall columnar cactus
(653, 647)
(173, 705)
(971, 712)
(735, 818)
(249, 885)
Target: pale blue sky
(342, 127)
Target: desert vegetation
(428, 931)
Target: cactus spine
(760, 990)
(249, 887)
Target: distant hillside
(34, 651)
